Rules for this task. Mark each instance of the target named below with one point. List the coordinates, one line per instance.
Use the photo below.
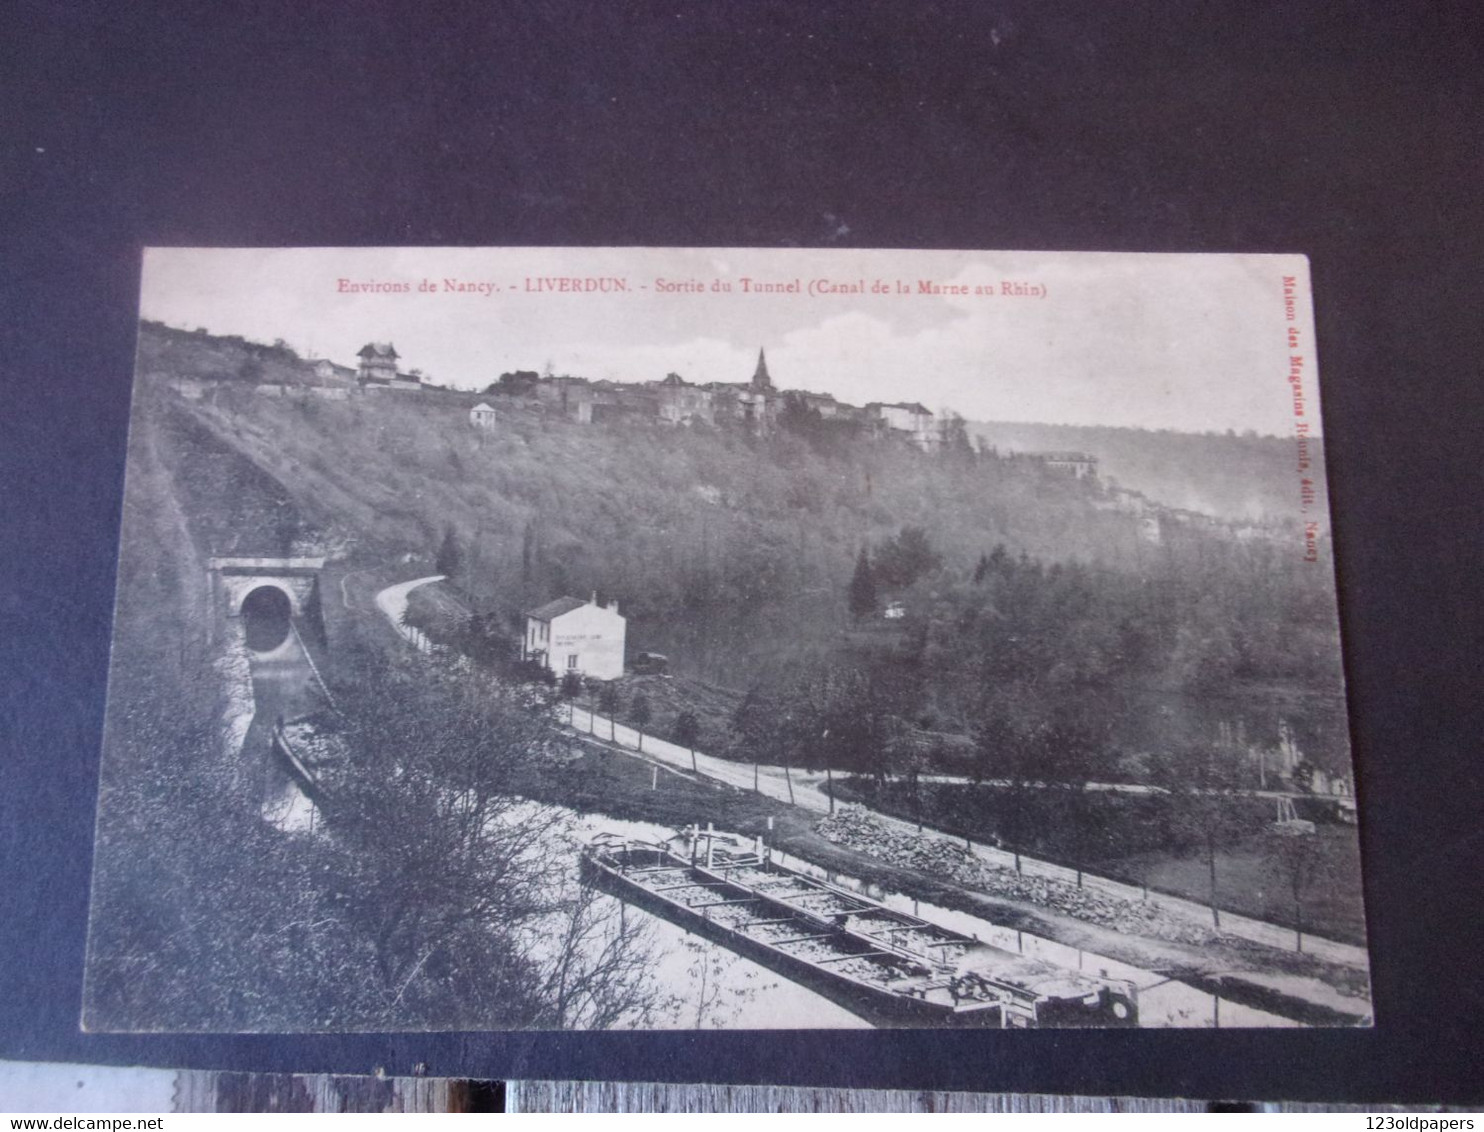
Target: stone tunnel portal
(266, 611)
(269, 595)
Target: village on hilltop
(757, 406)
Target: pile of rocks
(861, 830)
(1133, 917)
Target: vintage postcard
(724, 638)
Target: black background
(1350, 133)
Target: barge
(890, 968)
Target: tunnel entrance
(265, 618)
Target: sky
(1189, 342)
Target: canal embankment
(610, 776)
(1301, 988)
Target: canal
(708, 985)
(755, 997)
(283, 687)
(1163, 1002)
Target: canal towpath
(804, 789)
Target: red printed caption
(817, 288)
(1302, 425)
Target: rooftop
(912, 406)
(554, 609)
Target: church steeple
(760, 378)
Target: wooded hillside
(1234, 476)
(735, 555)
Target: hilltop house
(328, 371)
(826, 406)
(378, 363)
(572, 635)
(482, 416)
(913, 422)
(1080, 464)
(379, 368)
(680, 402)
(754, 404)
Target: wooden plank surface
(198, 1091)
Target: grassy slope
(1133, 847)
(1334, 910)
(177, 353)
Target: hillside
(661, 518)
(734, 554)
(174, 353)
(1235, 477)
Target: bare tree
(599, 974)
(640, 713)
(755, 723)
(1294, 857)
(711, 1000)
(608, 705)
(1011, 755)
(1075, 754)
(688, 733)
(571, 688)
(439, 864)
(1204, 784)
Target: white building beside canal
(572, 635)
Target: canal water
(283, 687)
(733, 992)
(768, 1001)
(727, 990)
(712, 987)
(1163, 1002)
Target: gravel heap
(859, 829)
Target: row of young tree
(1038, 788)
(1038, 765)
(1044, 638)
(1040, 779)
(1050, 780)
